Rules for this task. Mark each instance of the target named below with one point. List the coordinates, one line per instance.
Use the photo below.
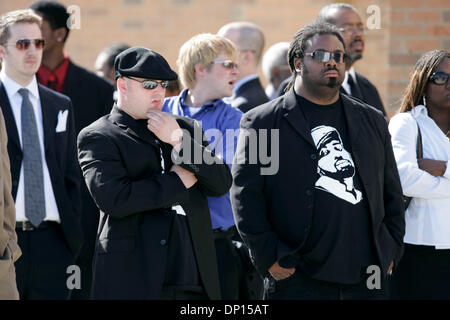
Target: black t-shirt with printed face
(339, 246)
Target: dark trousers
(423, 273)
(228, 264)
(41, 271)
(171, 293)
(238, 278)
(89, 222)
(300, 286)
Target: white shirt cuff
(447, 171)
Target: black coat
(61, 157)
(369, 92)
(120, 161)
(251, 94)
(274, 212)
(92, 98)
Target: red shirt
(54, 79)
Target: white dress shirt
(345, 84)
(428, 215)
(15, 99)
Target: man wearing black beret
(155, 238)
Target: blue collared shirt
(220, 121)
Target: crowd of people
(201, 184)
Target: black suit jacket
(92, 98)
(61, 157)
(274, 212)
(251, 94)
(120, 160)
(369, 92)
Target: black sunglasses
(24, 44)
(325, 56)
(439, 78)
(152, 84)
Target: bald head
(246, 36)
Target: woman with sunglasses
(424, 271)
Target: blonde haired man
(208, 70)
(44, 168)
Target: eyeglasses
(228, 64)
(439, 78)
(24, 44)
(151, 84)
(325, 56)
(359, 29)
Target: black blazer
(120, 161)
(369, 92)
(251, 94)
(61, 157)
(274, 212)
(92, 98)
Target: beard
(333, 83)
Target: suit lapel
(49, 118)
(294, 115)
(13, 134)
(71, 87)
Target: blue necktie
(32, 163)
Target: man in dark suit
(249, 40)
(44, 169)
(92, 97)
(332, 215)
(347, 20)
(155, 238)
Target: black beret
(142, 63)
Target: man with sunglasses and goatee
(208, 71)
(329, 224)
(142, 168)
(44, 169)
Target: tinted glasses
(325, 56)
(151, 84)
(228, 64)
(439, 78)
(24, 44)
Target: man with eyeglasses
(333, 213)
(155, 238)
(44, 168)
(208, 71)
(249, 40)
(347, 20)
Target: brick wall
(408, 28)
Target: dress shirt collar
(12, 86)
(353, 74)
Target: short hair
(13, 17)
(298, 44)
(250, 37)
(54, 13)
(324, 14)
(275, 56)
(423, 69)
(112, 51)
(201, 49)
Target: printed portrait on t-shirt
(335, 166)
